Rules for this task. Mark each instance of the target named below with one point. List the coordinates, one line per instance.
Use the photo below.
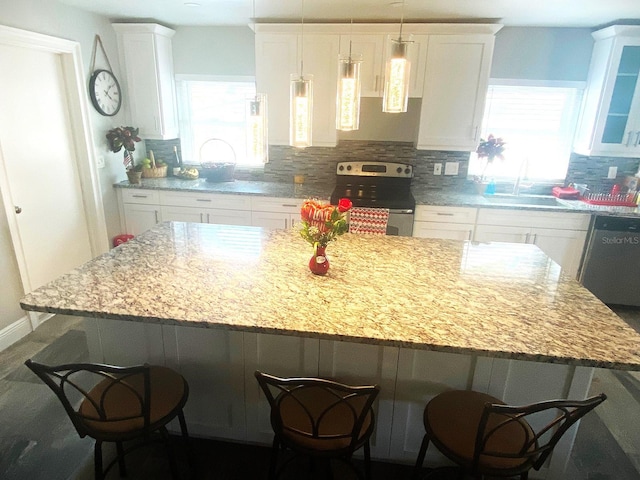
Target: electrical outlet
(100, 161)
(437, 169)
(451, 168)
(613, 172)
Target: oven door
(400, 223)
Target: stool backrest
(86, 391)
(344, 414)
(533, 445)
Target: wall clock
(105, 92)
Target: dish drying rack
(612, 200)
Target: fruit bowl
(218, 172)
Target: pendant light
(397, 74)
(256, 123)
(301, 103)
(348, 92)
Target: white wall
(51, 18)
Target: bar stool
(118, 404)
(484, 436)
(319, 418)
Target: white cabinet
(560, 235)
(140, 210)
(275, 213)
(610, 117)
(455, 86)
(147, 62)
(279, 51)
(454, 223)
(373, 48)
(205, 208)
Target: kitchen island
(416, 316)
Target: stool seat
(485, 436)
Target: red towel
(371, 221)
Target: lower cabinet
(560, 235)
(275, 213)
(226, 402)
(453, 223)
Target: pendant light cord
(401, 21)
(302, 42)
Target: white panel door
(279, 355)
(449, 231)
(501, 233)
(421, 376)
(212, 361)
(37, 157)
(371, 47)
(362, 364)
(139, 217)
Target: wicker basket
(157, 172)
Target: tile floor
(37, 441)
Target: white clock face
(105, 92)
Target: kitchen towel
(372, 221)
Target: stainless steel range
(379, 185)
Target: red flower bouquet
(322, 223)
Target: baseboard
(14, 332)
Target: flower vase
(134, 177)
(319, 263)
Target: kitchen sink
(535, 200)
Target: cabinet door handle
(526, 238)
(285, 223)
(208, 218)
(629, 138)
(475, 133)
(201, 220)
(375, 87)
(637, 139)
(470, 236)
(155, 213)
(535, 238)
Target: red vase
(319, 263)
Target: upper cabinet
(147, 62)
(450, 66)
(610, 118)
(279, 51)
(456, 77)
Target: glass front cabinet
(610, 118)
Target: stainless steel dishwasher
(611, 262)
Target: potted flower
(488, 150)
(126, 137)
(321, 224)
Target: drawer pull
(203, 200)
(445, 214)
(140, 196)
(287, 205)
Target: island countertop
(496, 299)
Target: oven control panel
(375, 169)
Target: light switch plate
(437, 169)
(451, 168)
(100, 161)
(613, 172)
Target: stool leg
(172, 457)
(274, 458)
(367, 460)
(97, 461)
(420, 460)
(121, 466)
(187, 440)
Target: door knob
(18, 210)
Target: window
(537, 121)
(213, 108)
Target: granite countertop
(496, 300)
(423, 196)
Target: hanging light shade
(348, 96)
(397, 75)
(301, 107)
(257, 139)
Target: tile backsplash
(318, 164)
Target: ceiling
(539, 13)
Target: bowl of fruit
(152, 168)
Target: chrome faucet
(524, 166)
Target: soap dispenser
(491, 188)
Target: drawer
(134, 195)
(275, 204)
(521, 218)
(205, 200)
(427, 213)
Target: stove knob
(349, 167)
(407, 170)
(399, 170)
(341, 167)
